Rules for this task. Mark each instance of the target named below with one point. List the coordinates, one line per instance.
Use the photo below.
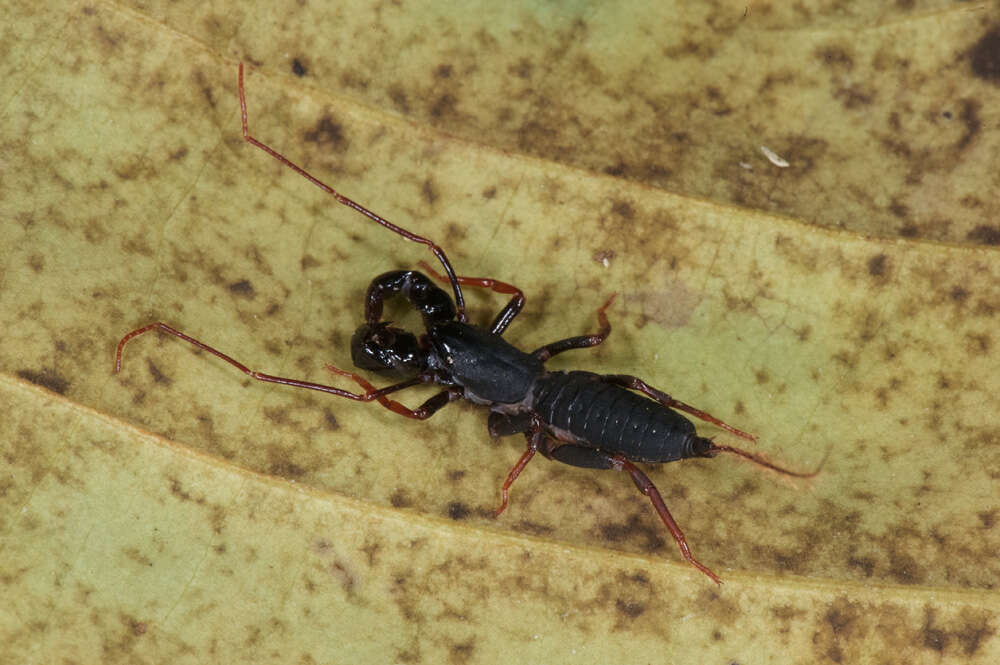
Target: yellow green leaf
(180, 511)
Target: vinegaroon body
(578, 418)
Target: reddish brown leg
(534, 440)
(582, 341)
(507, 314)
(647, 487)
(423, 412)
(480, 282)
(595, 459)
(259, 376)
(438, 252)
(635, 383)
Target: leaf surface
(180, 509)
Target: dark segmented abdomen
(611, 418)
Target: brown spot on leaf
(400, 499)
(630, 609)
(242, 288)
(280, 463)
(865, 563)
(398, 96)
(878, 266)
(619, 169)
(458, 510)
(855, 96)
(934, 638)
(971, 201)
(985, 58)
(178, 491)
(47, 378)
(343, 575)
(969, 115)
(958, 293)
(835, 56)
(429, 191)
(455, 234)
(158, 376)
(298, 68)
(623, 209)
(899, 209)
(635, 528)
(978, 344)
(984, 235)
(136, 555)
(462, 653)
(903, 568)
(522, 69)
(842, 617)
(330, 420)
(444, 107)
(328, 134)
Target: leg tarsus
(534, 438)
(646, 486)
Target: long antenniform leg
(270, 378)
(436, 249)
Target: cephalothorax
(578, 418)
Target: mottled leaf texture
(796, 203)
